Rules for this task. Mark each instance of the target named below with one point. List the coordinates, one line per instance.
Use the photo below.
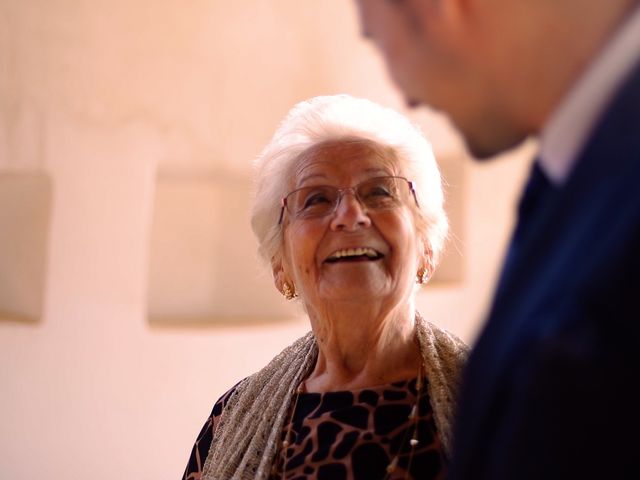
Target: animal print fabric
(350, 435)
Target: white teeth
(353, 252)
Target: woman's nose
(349, 214)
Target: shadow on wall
(204, 268)
(25, 211)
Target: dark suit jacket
(551, 388)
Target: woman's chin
(363, 289)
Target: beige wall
(101, 96)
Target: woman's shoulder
(224, 399)
(444, 341)
(203, 441)
(294, 352)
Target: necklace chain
(414, 415)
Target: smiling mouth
(363, 254)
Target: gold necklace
(393, 465)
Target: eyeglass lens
(377, 193)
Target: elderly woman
(349, 215)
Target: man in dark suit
(549, 389)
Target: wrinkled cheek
(307, 278)
(301, 255)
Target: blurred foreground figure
(548, 392)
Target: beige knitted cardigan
(246, 438)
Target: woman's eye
(379, 192)
(316, 199)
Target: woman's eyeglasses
(378, 193)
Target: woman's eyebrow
(378, 170)
(313, 176)
(306, 178)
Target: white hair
(334, 118)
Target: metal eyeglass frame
(342, 191)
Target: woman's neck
(362, 347)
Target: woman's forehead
(344, 157)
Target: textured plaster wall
(102, 97)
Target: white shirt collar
(567, 129)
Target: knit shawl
(246, 438)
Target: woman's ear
(426, 261)
(278, 272)
(282, 281)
